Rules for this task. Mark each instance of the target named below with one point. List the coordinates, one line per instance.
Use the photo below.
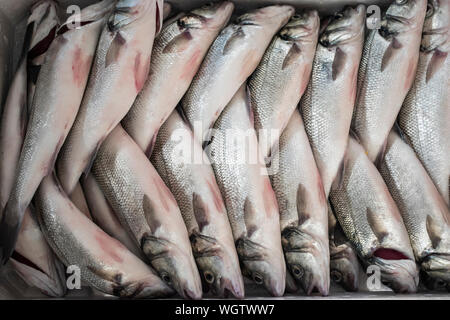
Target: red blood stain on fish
(270, 202)
(80, 67)
(217, 197)
(109, 246)
(141, 71)
(191, 66)
(389, 254)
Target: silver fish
(59, 90)
(426, 216)
(103, 261)
(372, 222)
(303, 209)
(281, 78)
(388, 67)
(177, 54)
(344, 264)
(195, 188)
(118, 74)
(327, 104)
(249, 198)
(425, 115)
(147, 210)
(232, 58)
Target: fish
(327, 104)
(104, 263)
(344, 264)
(232, 58)
(118, 74)
(44, 21)
(147, 210)
(105, 217)
(387, 71)
(59, 90)
(281, 78)
(303, 209)
(177, 54)
(195, 189)
(425, 114)
(249, 198)
(372, 222)
(424, 211)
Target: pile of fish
(116, 156)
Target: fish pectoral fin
(234, 40)
(179, 43)
(377, 225)
(154, 247)
(249, 214)
(390, 52)
(340, 59)
(249, 250)
(434, 231)
(150, 214)
(436, 62)
(114, 49)
(292, 56)
(203, 245)
(302, 205)
(200, 209)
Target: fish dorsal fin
(249, 214)
(234, 40)
(292, 56)
(179, 43)
(434, 231)
(436, 62)
(390, 52)
(200, 211)
(150, 214)
(377, 225)
(115, 48)
(302, 205)
(339, 62)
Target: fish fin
(292, 56)
(436, 62)
(339, 179)
(249, 250)
(248, 103)
(203, 245)
(434, 230)
(200, 209)
(179, 43)
(381, 154)
(302, 205)
(376, 225)
(153, 247)
(338, 63)
(151, 146)
(150, 214)
(390, 53)
(233, 41)
(114, 49)
(249, 214)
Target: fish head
(436, 26)
(436, 271)
(402, 16)
(267, 16)
(213, 10)
(217, 267)
(400, 275)
(307, 261)
(174, 266)
(343, 27)
(126, 12)
(344, 268)
(266, 267)
(301, 27)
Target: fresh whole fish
(249, 198)
(118, 74)
(177, 54)
(426, 216)
(59, 90)
(194, 187)
(387, 71)
(303, 209)
(232, 58)
(281, 78)
(425, 115)
(327, 104)
(344, 264)
(104, 262)
(372, 222)
(147, 210)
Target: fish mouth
(400, 275)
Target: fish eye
(209, 277)
(297, 271)
(181, 23)
(257, 278)
(336, 276)
(166, 278)
(401, 1)
(297, 17)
